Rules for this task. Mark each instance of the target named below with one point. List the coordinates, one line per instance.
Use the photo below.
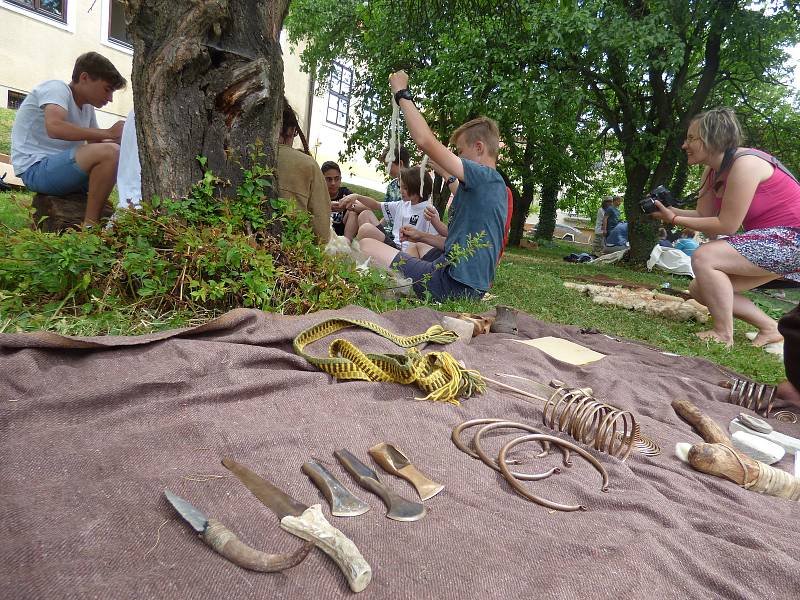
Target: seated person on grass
(49, 149)
(300, 178)
(789, 327)
(406, 212)
(687, 243)
(430, 246)
(617, 238)
(363, 215)
(336, 191)
(479, 208)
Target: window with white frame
(117, 30)
(369, 110)
(54, 9)
(341, 83)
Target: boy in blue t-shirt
(479, 208)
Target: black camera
(663, 195)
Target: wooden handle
(225, 542)
(313, 526)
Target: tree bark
(207, 80)
(641, 228)
(440, 195)
(547, 208)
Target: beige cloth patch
(563, 350)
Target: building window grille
(341, 83)
(54, 9)
(15, 99)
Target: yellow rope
(437, 373)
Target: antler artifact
(718, 457)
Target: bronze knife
(307, 523)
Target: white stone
(757, 447)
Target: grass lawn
(6, 121)
(529, 280)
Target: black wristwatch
(401, 94)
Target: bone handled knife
(343, 502)
(399, 508)
(307, 523)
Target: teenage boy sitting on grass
(49, 148)
(404, 213)
(480, 206)
(362, 214)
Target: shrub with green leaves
(203, 254)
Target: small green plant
(203, 254)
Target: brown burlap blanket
(93, 430)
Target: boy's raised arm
(421, 133)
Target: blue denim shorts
(56, 175)
(432, 276)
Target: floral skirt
(774, 249)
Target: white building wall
(35, 48)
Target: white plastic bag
(671, 260)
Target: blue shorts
(432, 276)
(56, 175)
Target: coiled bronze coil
(581, 416)
(539, 437)
(757, 397)
(576, 412)
(785, 416)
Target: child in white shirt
(410, 211)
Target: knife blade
(307, 523)
(224, 542)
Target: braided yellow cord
(437, 373)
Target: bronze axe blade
(399, 508)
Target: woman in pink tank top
(740, 190)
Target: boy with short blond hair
(479, 208)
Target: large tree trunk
(515, 229)
(207, 80)
(641, 228)
(547, 209)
